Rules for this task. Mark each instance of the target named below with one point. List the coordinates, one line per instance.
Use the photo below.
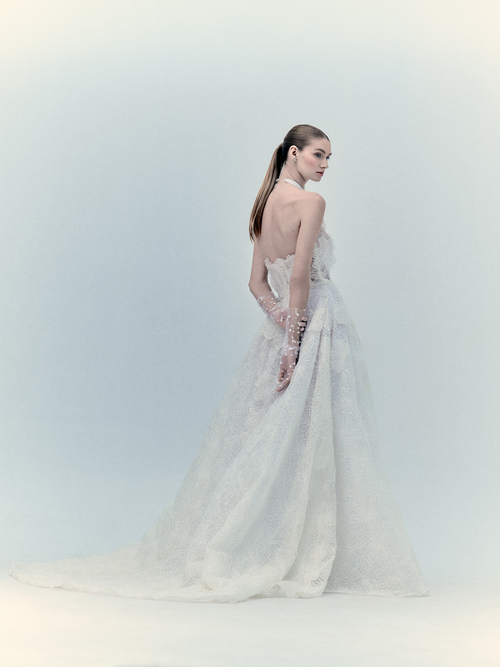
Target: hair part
(300, 136)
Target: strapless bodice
(323, 259)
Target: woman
(287, 496)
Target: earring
(295, 159)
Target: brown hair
(300, 136)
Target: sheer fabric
(287, 495)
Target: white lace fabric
(287, 495)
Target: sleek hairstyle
(300, 136)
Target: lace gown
(287, 495)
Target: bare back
(281, 221)
(290, 225)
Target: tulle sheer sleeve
(273, 307)
(296, 322)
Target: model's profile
(287, 495)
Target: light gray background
(134, 137)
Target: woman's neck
(293, 175)
(294, 183)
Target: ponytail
(272, 175)
(300, 136)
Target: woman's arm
(313, 209)
(259, 286)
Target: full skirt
(286, 497)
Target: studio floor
(457, 626)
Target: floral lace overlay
(287, 495)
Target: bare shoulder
(316, 200)
(312, 207)
(311, 200)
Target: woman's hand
(287, 366)
(290, 359)
(302, 326)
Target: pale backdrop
(134, 137)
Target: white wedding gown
(287, 495)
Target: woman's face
(312, 161)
